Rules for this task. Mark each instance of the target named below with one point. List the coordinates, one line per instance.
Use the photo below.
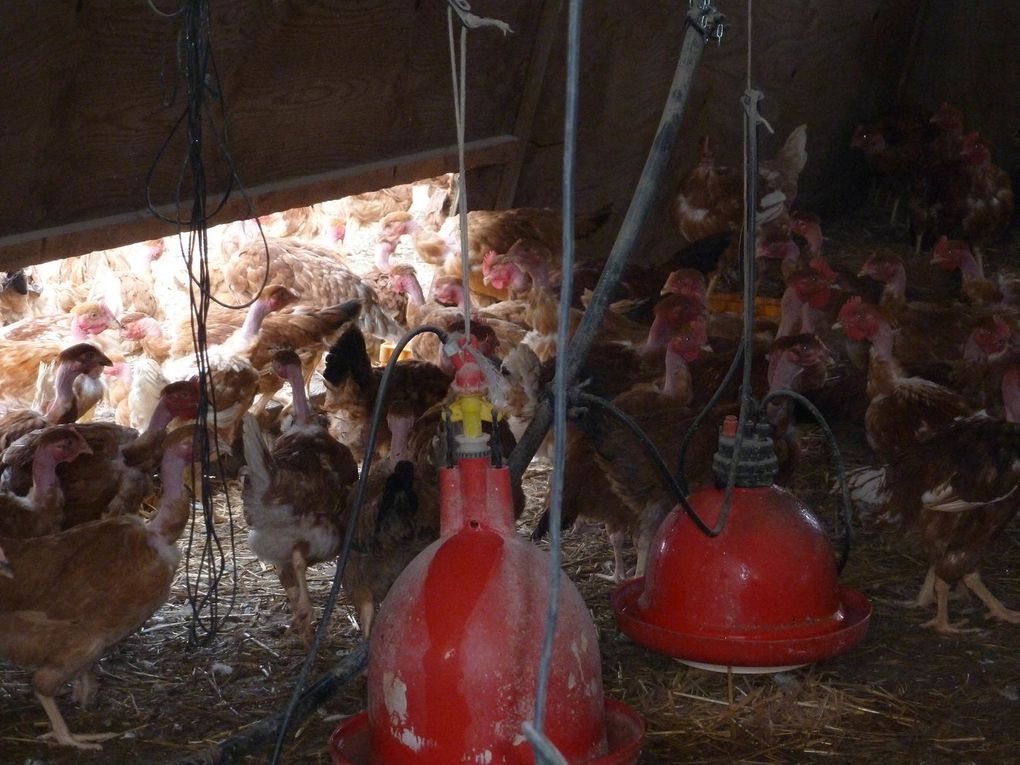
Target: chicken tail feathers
(348, 358)
(258, 462)
(867, 490)
(398, 507)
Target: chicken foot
(62, 735)
(618, 538)
(941, 621)
(996, 610)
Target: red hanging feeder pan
(762, 596)
(454, 654)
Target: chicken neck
(172, 515)
(383, 251)
(154, 433)
(299, 397)
(46, 495)
(790, 308)
(64, 408)
(258, 312)
(895, 290)
(677, 383)
(883, 368)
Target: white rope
(468, 20)
(459, 107)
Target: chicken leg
(61, 734)
(366, 613)
(303, 605)
(995, 608)
(292, 577)
(926, 596)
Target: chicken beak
(838, 325)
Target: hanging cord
(459, 74)
(702, 22)
(545, 751)
(352, 522)
(196, 67)
(745, 353)
(459, 104)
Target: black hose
(679, 491)
(837, 458)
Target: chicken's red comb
(852, 304)
(487, 260)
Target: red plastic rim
(349, 743)
(764, 651)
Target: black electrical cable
(352, 521)
(679, 491)
(837, 458)
(194, 59)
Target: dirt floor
(904, 695)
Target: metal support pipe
(702, 21)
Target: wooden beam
(534, 81)
(18, 250)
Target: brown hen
(71, 599)
(294, 494)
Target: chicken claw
(62, 735)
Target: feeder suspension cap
(757, 464)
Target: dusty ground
(905, 695)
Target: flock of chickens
(84, 562)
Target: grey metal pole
(703, 20)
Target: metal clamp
(706, 19)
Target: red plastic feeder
(454, 654)
(763, 596)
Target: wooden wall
(826, 63)
(966, 54)
(324, 98)
(331, 97)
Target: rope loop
(463, 10)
